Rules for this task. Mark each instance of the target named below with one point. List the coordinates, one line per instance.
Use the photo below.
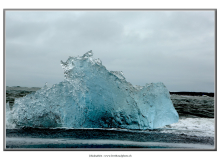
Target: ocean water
(194, 130)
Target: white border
(90, 4)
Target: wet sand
(103, 138)
(44, 143)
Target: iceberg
(93, 97)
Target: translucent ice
(93, 97)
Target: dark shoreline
(99, 135)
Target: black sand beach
(102, 138)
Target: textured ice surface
(93, 97)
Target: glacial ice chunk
(93, 97)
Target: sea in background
(195, 129)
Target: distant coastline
(210, 94)
(186, 93)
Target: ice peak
(88, 54)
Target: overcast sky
(173, 47)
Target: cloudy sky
(173, 47)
